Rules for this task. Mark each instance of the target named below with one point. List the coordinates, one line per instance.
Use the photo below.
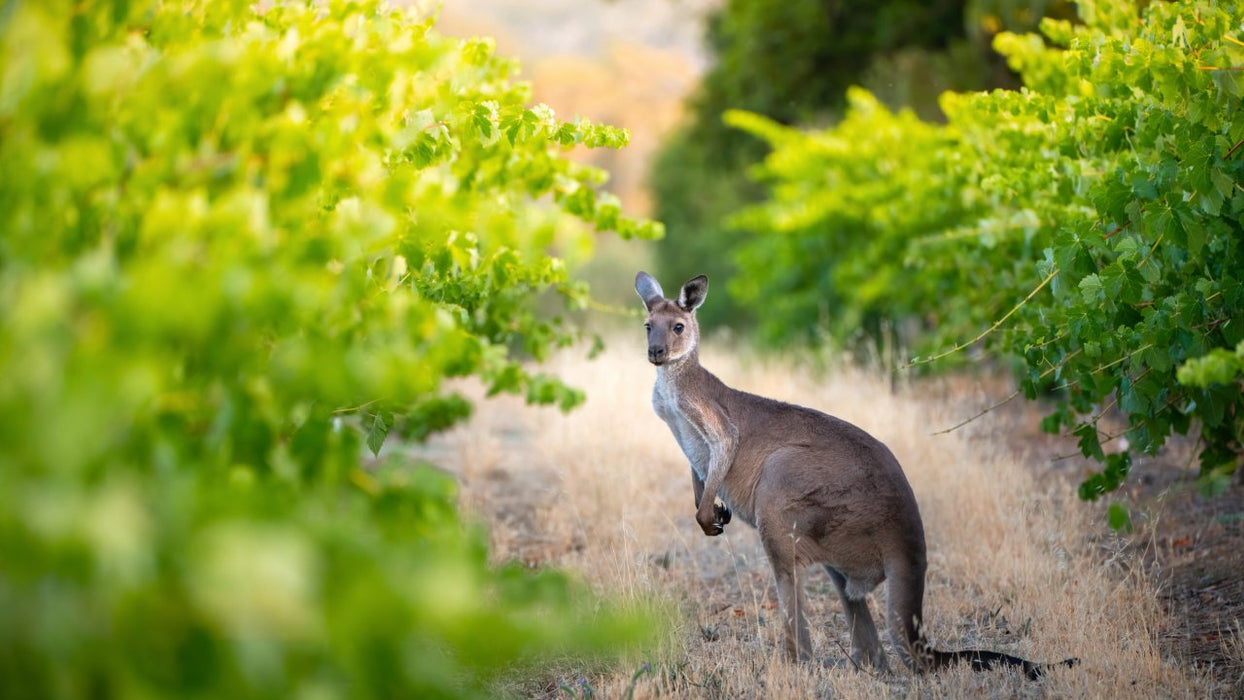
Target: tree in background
(792, 61)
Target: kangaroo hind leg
(790, 599)
(904, 607)
(865, 644)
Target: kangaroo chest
(665, 401)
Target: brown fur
(818, 489)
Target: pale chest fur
(666, 403)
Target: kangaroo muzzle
(658, 354)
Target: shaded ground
(1198, 556)
(1192, 546)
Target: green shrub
(1089, 225)
(793, 61)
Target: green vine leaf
(376, 434)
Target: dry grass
(1013, 566)
(1234, 646)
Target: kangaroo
(818, 489)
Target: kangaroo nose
(656, 354)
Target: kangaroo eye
(648, 327)
(678, 328)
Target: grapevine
(243, 245)
(1090, 223)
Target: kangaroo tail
(904, 599)
(985, 660)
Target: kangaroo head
(673, 332)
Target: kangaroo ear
(648, 289)
(693, 293)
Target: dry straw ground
(1016, 564)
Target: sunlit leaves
(1219, 366)
(243, 246)
(1116, 174)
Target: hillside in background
(628, 64)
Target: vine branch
(1116, 231)
(988, 409)
(1008, 399)
(987, 331)
(1233, 149)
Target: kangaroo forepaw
(711, 522)
(712, 529)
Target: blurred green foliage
(1218, 366)
(793, 61)
(1088, 226)
(239, 243)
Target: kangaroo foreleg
(722, 439)
(697, 486)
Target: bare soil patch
(1197, 551)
